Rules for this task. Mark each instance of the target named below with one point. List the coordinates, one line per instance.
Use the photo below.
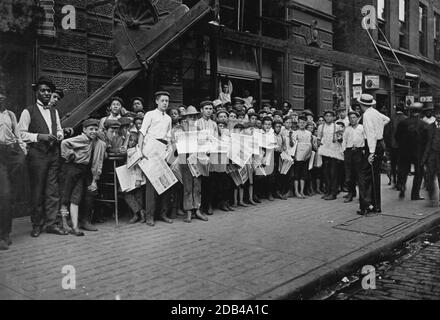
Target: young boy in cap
(12, 170)
(278, 177)
(115, 111)
(137, 104)
(40, 127)
(331, 151)
(78, 153)
(192, 193)
(157, 125)
(208, 184)
(302, 155)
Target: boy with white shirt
(40, 127)
(157, 125)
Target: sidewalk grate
(378, 225)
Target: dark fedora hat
(44, 80)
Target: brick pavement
(414, 278)
(262, 252)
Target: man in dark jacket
(411, 136)
(431, 156)
(390, 140)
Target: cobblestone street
(415, 277)
(264, 252)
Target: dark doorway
(311, 86)
(383, 104)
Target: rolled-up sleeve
(98, 158)
(23, 128)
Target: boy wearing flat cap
(115, 111)
(78, 153)
(331, 151)
(208, 184)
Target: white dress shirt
(429, 120)
(25, 121)
(374, 123)
(354, 137)
(157, 124)
(209, 125)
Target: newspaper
(134, 155)
(241, 151)
(175, 168)
(244, 175)
(158, 173)
(312, 160)
(128, 177)
(193, 142)
(266, 140)
(153, 148)
(286, 163)
(192, 165)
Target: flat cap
(354, 113)
(90, 122)
(121, 101)
(137, 98)
(329, 111)
(125, 121)
(205, 103)
(238, 100)
(162, 93)
(112, 124)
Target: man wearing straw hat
(369, 176)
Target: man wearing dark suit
(411, 136)
(431, 156)
(40, 128)
(391, 142)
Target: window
(241, 15)
(437, 37)
(403, 22)
(422, 29)
(381, 18)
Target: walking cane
(374, 185)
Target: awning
(99, 97)
(343, 59)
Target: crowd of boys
(334, 154)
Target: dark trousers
(222, 182)
(330, 168)
(73, 185)
(152, 198)
(369, 179)
(208, 187)
(192, 192)
(353, 164)
(394, 155)
(432, 170)
(87, 205)
(43, 177)
(404, 168)
(12, 165)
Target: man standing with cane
(369, 177)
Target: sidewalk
(276, 250)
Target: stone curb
(332, 272)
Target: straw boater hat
(416, 106)
(366, 100)
(191, 111)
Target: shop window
(423, 20)
(382, 7)
(437, 37)
(403, 23)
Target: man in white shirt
(353, 144)
(40, 128)
(428, 116)
(157, 125)
(369, 176)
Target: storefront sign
(409, 100)
(426, 99)
(341, 89)
(357, 78)
(372, 82)
(357, 92)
